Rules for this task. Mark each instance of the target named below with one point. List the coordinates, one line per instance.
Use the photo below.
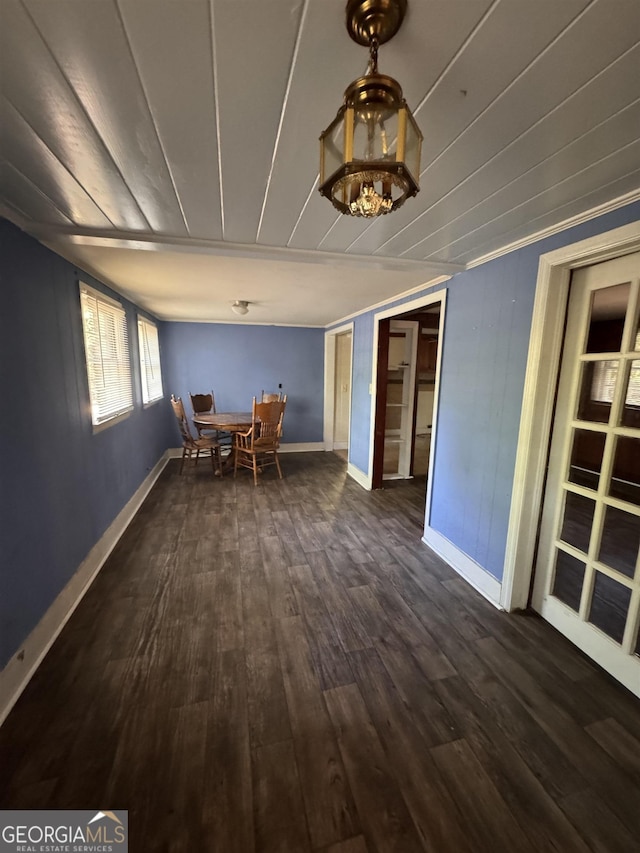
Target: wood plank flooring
(287, 668)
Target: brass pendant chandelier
(370, 153)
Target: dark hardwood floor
(287, 668)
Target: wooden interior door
(587, 580)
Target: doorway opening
(408, 351)
(337, 391)
(342, 395)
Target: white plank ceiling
(170, 147)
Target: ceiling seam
(462, 47)
(548, 189)
(216, 110)
(58, 160)
(520, 136)
(521, 175)
(330, 229)
(493, 101)
(39, 191)
(292, 65)
(151, 116)
(301, 214)
(514, 141)
(20, 217)
(556, 228)
(84, 112)
(538, 58)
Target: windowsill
(106, 424)
(152, 403)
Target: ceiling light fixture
(240, 306)
(370, 153)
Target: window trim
(141, 321)
(122, 343)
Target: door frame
(408, 418)
(431, 298)
(536, 420)
(330, 345)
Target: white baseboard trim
(302, 447)
(465, 566)
(359, 476)
(21, 667)
(292, 447)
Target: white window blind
(149, 361)
(106, 344)
(633, 388)
(604, 381)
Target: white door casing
(330, 359)
(587, 577)
(545, 344)
(414, 305)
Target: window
(106, 345)
(149, 361)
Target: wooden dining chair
(258, 447)
(205, 404)
(205, 444)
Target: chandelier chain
(373, 55)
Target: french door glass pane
(609, 606)
(577, 521)
(568, 579)
(608, 309)
(620, 540)
(597, 385)
(586, 457)
(631, 412)
(625, 480)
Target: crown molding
(424, 287)
(579, 219)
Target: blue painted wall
(485, 345)
(238, 361)
(61, 486)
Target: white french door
(587, 576)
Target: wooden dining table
(225, 422)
